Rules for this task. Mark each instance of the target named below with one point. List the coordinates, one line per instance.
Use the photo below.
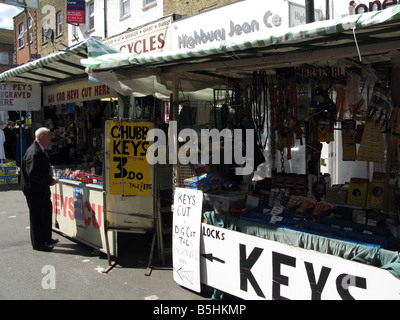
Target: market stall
(106, 186)
(294, 104)
(95, 197)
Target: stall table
(78, 212)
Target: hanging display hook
(355, 40)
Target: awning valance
(59, 66)
(353, 30)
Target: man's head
(43, 136)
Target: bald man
(36, 180)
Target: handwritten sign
(186, 237)
(20, 96)
(129, 169)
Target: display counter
(278, 253)
(78, 212)
(93, 208)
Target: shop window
(59, 24)
(21, 32)
(125, 7)
(91, 15)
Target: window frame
(21, 35)
(122, 6)
(90, 7)
(59, 26)
(44, 30)
(30, 30)
(4, 58)
(147, 4)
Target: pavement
(75, 271)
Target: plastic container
(222, 201)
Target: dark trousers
(40, 217)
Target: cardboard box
(358, 191)
(337, 194)
(9, 179)
(7, 171)
(375, 194)
(204, 182)
(223, 201)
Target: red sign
(91, 212)
(76, 11)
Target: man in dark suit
(36, 179)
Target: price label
(276, 210)
(275, 219)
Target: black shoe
(43, 248)
(52, 242)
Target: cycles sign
(129, 169)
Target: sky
(7, 13)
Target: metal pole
(174, 106)
(327, 9)
(105, 19)
(20, 138)
(27, 30)
(310, 17)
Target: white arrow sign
(256, 268)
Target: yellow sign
(129, 169)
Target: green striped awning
(58, 66)
(367, 27)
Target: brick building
(6, 49)
(53, 30)
(25, 37)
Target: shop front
(296, 228)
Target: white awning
(348, 31)
(59, 66)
